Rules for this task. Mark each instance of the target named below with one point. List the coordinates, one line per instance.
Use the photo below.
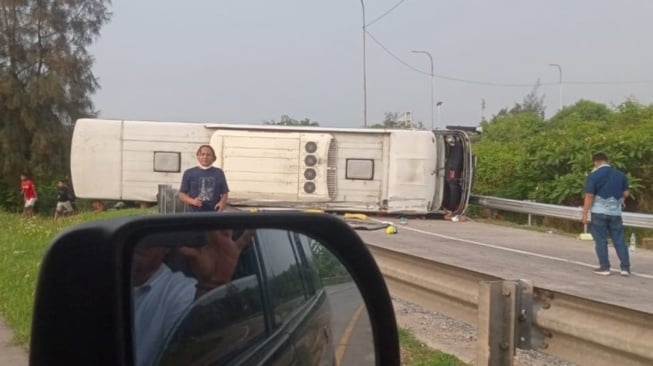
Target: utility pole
(364, 67)
(483, 110)
(431, 75)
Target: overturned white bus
(334, 169)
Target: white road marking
(564, 260)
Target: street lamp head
(423, 52)
(557, 66)
(559, 80)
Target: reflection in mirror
(245, 296)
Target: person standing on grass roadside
(606, 188)
(29, 195)
(64, 205)
(204, 187)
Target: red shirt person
(29, 194)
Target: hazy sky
(246, 61)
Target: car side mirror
(207, 289)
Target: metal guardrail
(630, 219)
(514, 314)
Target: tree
(46, 81)
(392, 121)
(287, 121)
(582, 111)
(532, 103)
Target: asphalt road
(558, 262)
(350, 326)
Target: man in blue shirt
(606, 188)
(204, 187)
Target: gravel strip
(454, 337)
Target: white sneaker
(625, 272)
(602, 271)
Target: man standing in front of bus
(606, 189)
(204, 187)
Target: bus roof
(302, 128)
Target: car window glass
(307, 247)
(282, 268)
(177, 319)
(218, 326)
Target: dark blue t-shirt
(206, 184)
(608, 186)
(606, 182)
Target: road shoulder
(10, 354)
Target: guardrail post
(528, 335)
(168, 201)
(530, 216)
(496, 323)
(505, 315)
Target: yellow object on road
(391, 229)
(585, 235)
(358, 216)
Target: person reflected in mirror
(29, 195)
(64, 205)
(161, 296)
(204, 187)
(214, 264)
(606, 189)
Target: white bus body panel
(114, 159)
(270, 166)
(412, 175)
(96, 159)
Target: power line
(386, 13)
(622, 82)
(400, 60)
(495, 84)
(395, 56)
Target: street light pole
(559, 82)
(432, 97)
(439, 104)
(364, 68)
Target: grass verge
(415, 353)
(22, 245)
